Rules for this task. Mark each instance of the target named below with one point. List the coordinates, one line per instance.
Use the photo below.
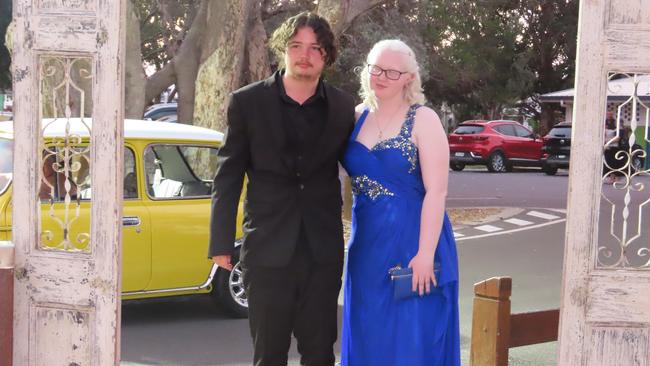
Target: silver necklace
(381, 130)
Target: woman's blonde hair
(412, 91)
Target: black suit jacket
(284, 188)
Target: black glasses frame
(387, 72)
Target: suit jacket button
(302, 186)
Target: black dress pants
(301, 298)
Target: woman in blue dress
(398, 159)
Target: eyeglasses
(390, 74)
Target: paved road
(192, 331)
(520, 188)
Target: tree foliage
(549, 42)
(477, 65)
(488, 55)
(477, 56)
(163, 26)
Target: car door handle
(130, 221)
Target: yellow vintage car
(168, 172)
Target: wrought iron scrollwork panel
(65, 103)
(623, 244)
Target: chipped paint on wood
(29, 38)
(608, 295)
(67, 5)
(69, 33)
(605, 314)
(628, 13)
(102, 37)
(67, 304)
(61, 334)
(619, 346)
(20, 74)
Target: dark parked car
(557, 150)
(499, 145)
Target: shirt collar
(319, 94)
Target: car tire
(497, 162)
(638, 164)
(549, 170)
(457, 167)
(228, 290)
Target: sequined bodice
(390, 169)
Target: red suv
(499, 145)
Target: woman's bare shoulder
(426, 113)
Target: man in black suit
(286, 134)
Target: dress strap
(407, 127)
(357, 126)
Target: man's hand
(223, 261)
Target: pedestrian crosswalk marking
(523, 221)
(518, 222)
(542, 215)
(488, 228)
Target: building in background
(618, 103)
(618, 95)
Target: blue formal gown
(388, 193)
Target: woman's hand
(423, 275)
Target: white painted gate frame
(61, 297)
(605, 312)
(90, 284)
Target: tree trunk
(229, 23)
(134, 76)
(184, 67)
(341, 13)
(547, 118)
(159, 81)
(257, 54)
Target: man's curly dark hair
(288, 29)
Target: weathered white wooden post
(67, 303)
(605, 308)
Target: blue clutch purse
(402, 280)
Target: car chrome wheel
(637, 164)
(497, 163)
(229, 289)
(236, 285)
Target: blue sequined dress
(388, 193)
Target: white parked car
(157, 111)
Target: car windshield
(563, 131)
(6, 161)
(468, 130)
